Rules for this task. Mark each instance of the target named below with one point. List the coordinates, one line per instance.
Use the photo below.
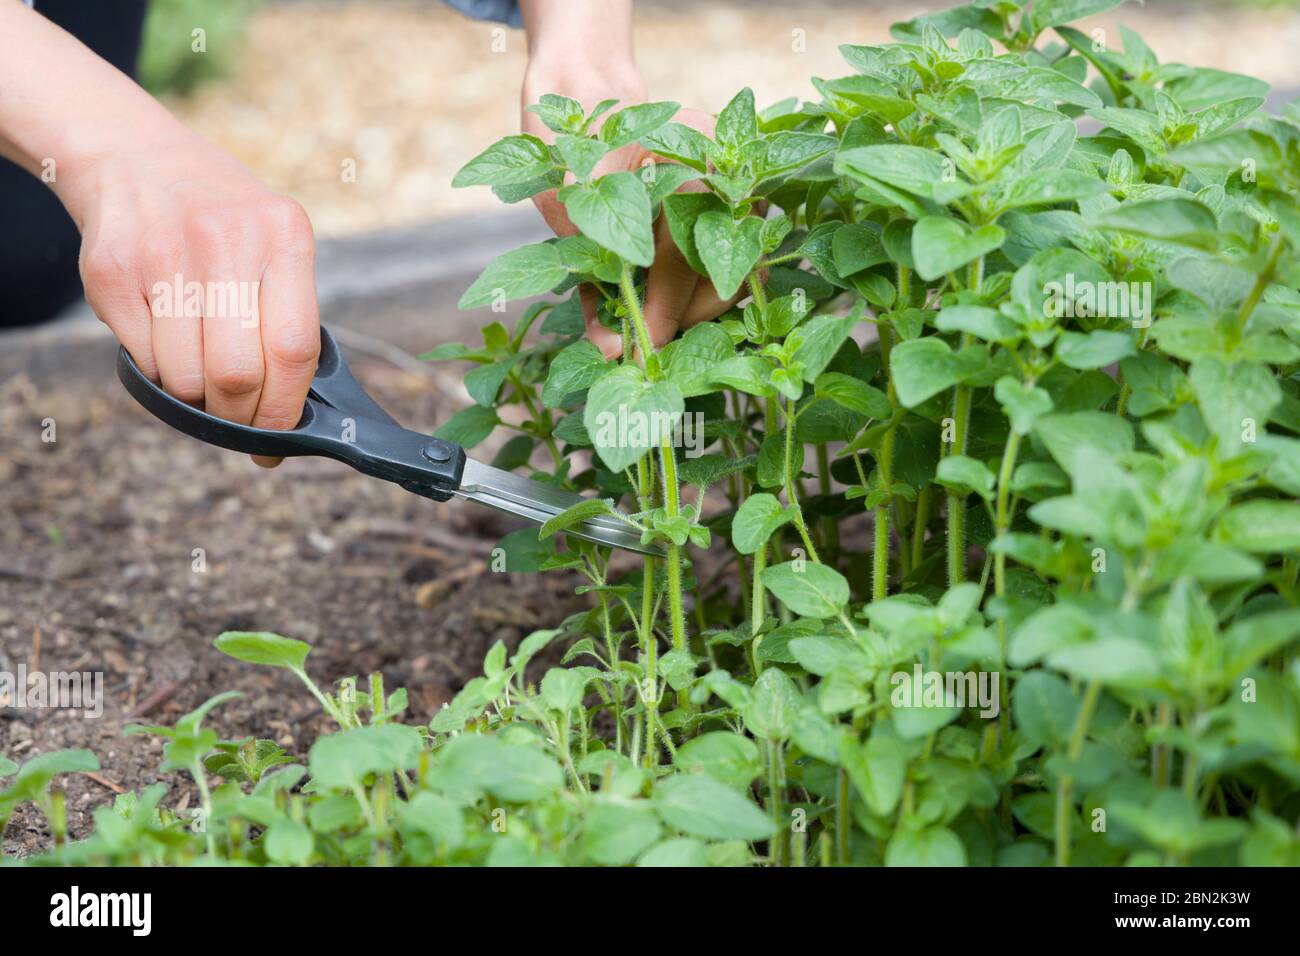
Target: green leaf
(933, 846)
(580, 153)
(703, 807)
(559, 113)
(878, 769)
(745, 373)
(853, 394)
(1046, 187)
(36, 774)
(562, 688)
(922, 172)
(514, 773)
(683, 210)
(668, 178)
(626, 416)
(758, 517)
(676, 852)
(1184, 221)
(529, 270)
(437, 817)
(689, 362)
(1119, 661)
(1236, 400)
(983, 323)
(616, 834)
(1261, 526)
(1095, 349)
(574, 368)
(633, 122)
(808, 588)
(577, 514)
(813, 344)
(7, 767)
(614, 212)
(1250, 640)
(1023, 405)
(925, 367)
(1044, 709)
(965, 474)
(513, 160)
(856, 247)
(738, 122)
(789, 151)
(1078, 436)
(1050, 13)
(469, 426)
(941, 245)
(728, 248)
(263, 647)
(682, 143)
(729, 757)
(770, 713)
(289, 842)
(342, 761)
(484, 382)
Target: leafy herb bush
(169, 60)
(1035, 312)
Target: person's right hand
(177, 214)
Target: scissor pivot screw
(437, 451)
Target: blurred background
(410, 90)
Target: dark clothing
(38, 241)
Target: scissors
(340, 420)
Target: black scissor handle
(339, 420)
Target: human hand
(567, 59)
(205, 276)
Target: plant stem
(918, 526)
(326, 704)
(791, 496)
(956, 503)
(757, 604)
(884, 476)
(960, 419)
(1262, 282)
(1065, 784)
(756, 290)
(205, 798)
(649, 648)
(830, 526)
(672, 505)
(842, 818)
(1002, 523)
(643, 341)
(775, 786)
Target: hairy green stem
(1064, 806)
(643, 341)
(791, 495)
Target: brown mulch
(98, 532)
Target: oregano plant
(977, 518)
(1010, 399)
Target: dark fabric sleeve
(38, 241)
(503, 11)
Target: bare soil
(99, 537)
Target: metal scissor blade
(538, 502)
